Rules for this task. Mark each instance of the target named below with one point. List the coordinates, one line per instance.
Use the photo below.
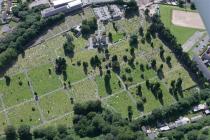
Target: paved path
(4, 110)
(32, 91)
(192, 41)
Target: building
(58, 3)
(115, 11)
(182, 121)
(102, 13)
(207, 112)
(98, 41)
(62, 6)
(202, 67)
(165, 128)
(199, 107)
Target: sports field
(187, 19)
(181, 33)
(55, 104)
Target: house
(207, 111)
(202, 67)
(199, 107)
(165, 128)
(182, 121)
(62, 6)
(172, 125)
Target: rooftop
(202, 67)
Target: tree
(85, 67)
(162, 51)
(110, 37)
(192, 6)
(89, 26)
(62, 129)
(142, 67)
(181, 3)
(133, 40)
(140, 105)
(208, 102)
(139, 92)
(148, 37)
(132, 8)
(130, 113)
(69, 49)
(192, 135)
(10, 133)
(60, 65)
(153, 64)
(7, 79)
(24, 132)
(146, 12)
(107, 78)
(141, 31)
(132, 52)
(168, 60)
(148, 84)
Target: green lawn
(3, 122)
(180, 73)
(75, 73)
(25, 114)
(84, 91)
(181, 33)
(120, 103)
(66, 120)
(42, 81)
(55, 104)
(113, 82)
(118, 36)
(151, 102)
(15, 92)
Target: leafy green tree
(85, 67)
(10, 133)
(192, 6)
(24, 132)
(192, 135)
(60, 65)
(141, 31)
(130, 113)
(107, 79)
(133, 40)
(110, 37)
(140, 105)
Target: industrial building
(64, 6)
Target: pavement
(192, 41)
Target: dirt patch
(187, 19)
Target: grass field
(42, 81)
(16, 92)
(54, 105)
(101, 85)
(50, 107)
(25, 114)
(181, 33)
(3, 122)
(120, 103)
